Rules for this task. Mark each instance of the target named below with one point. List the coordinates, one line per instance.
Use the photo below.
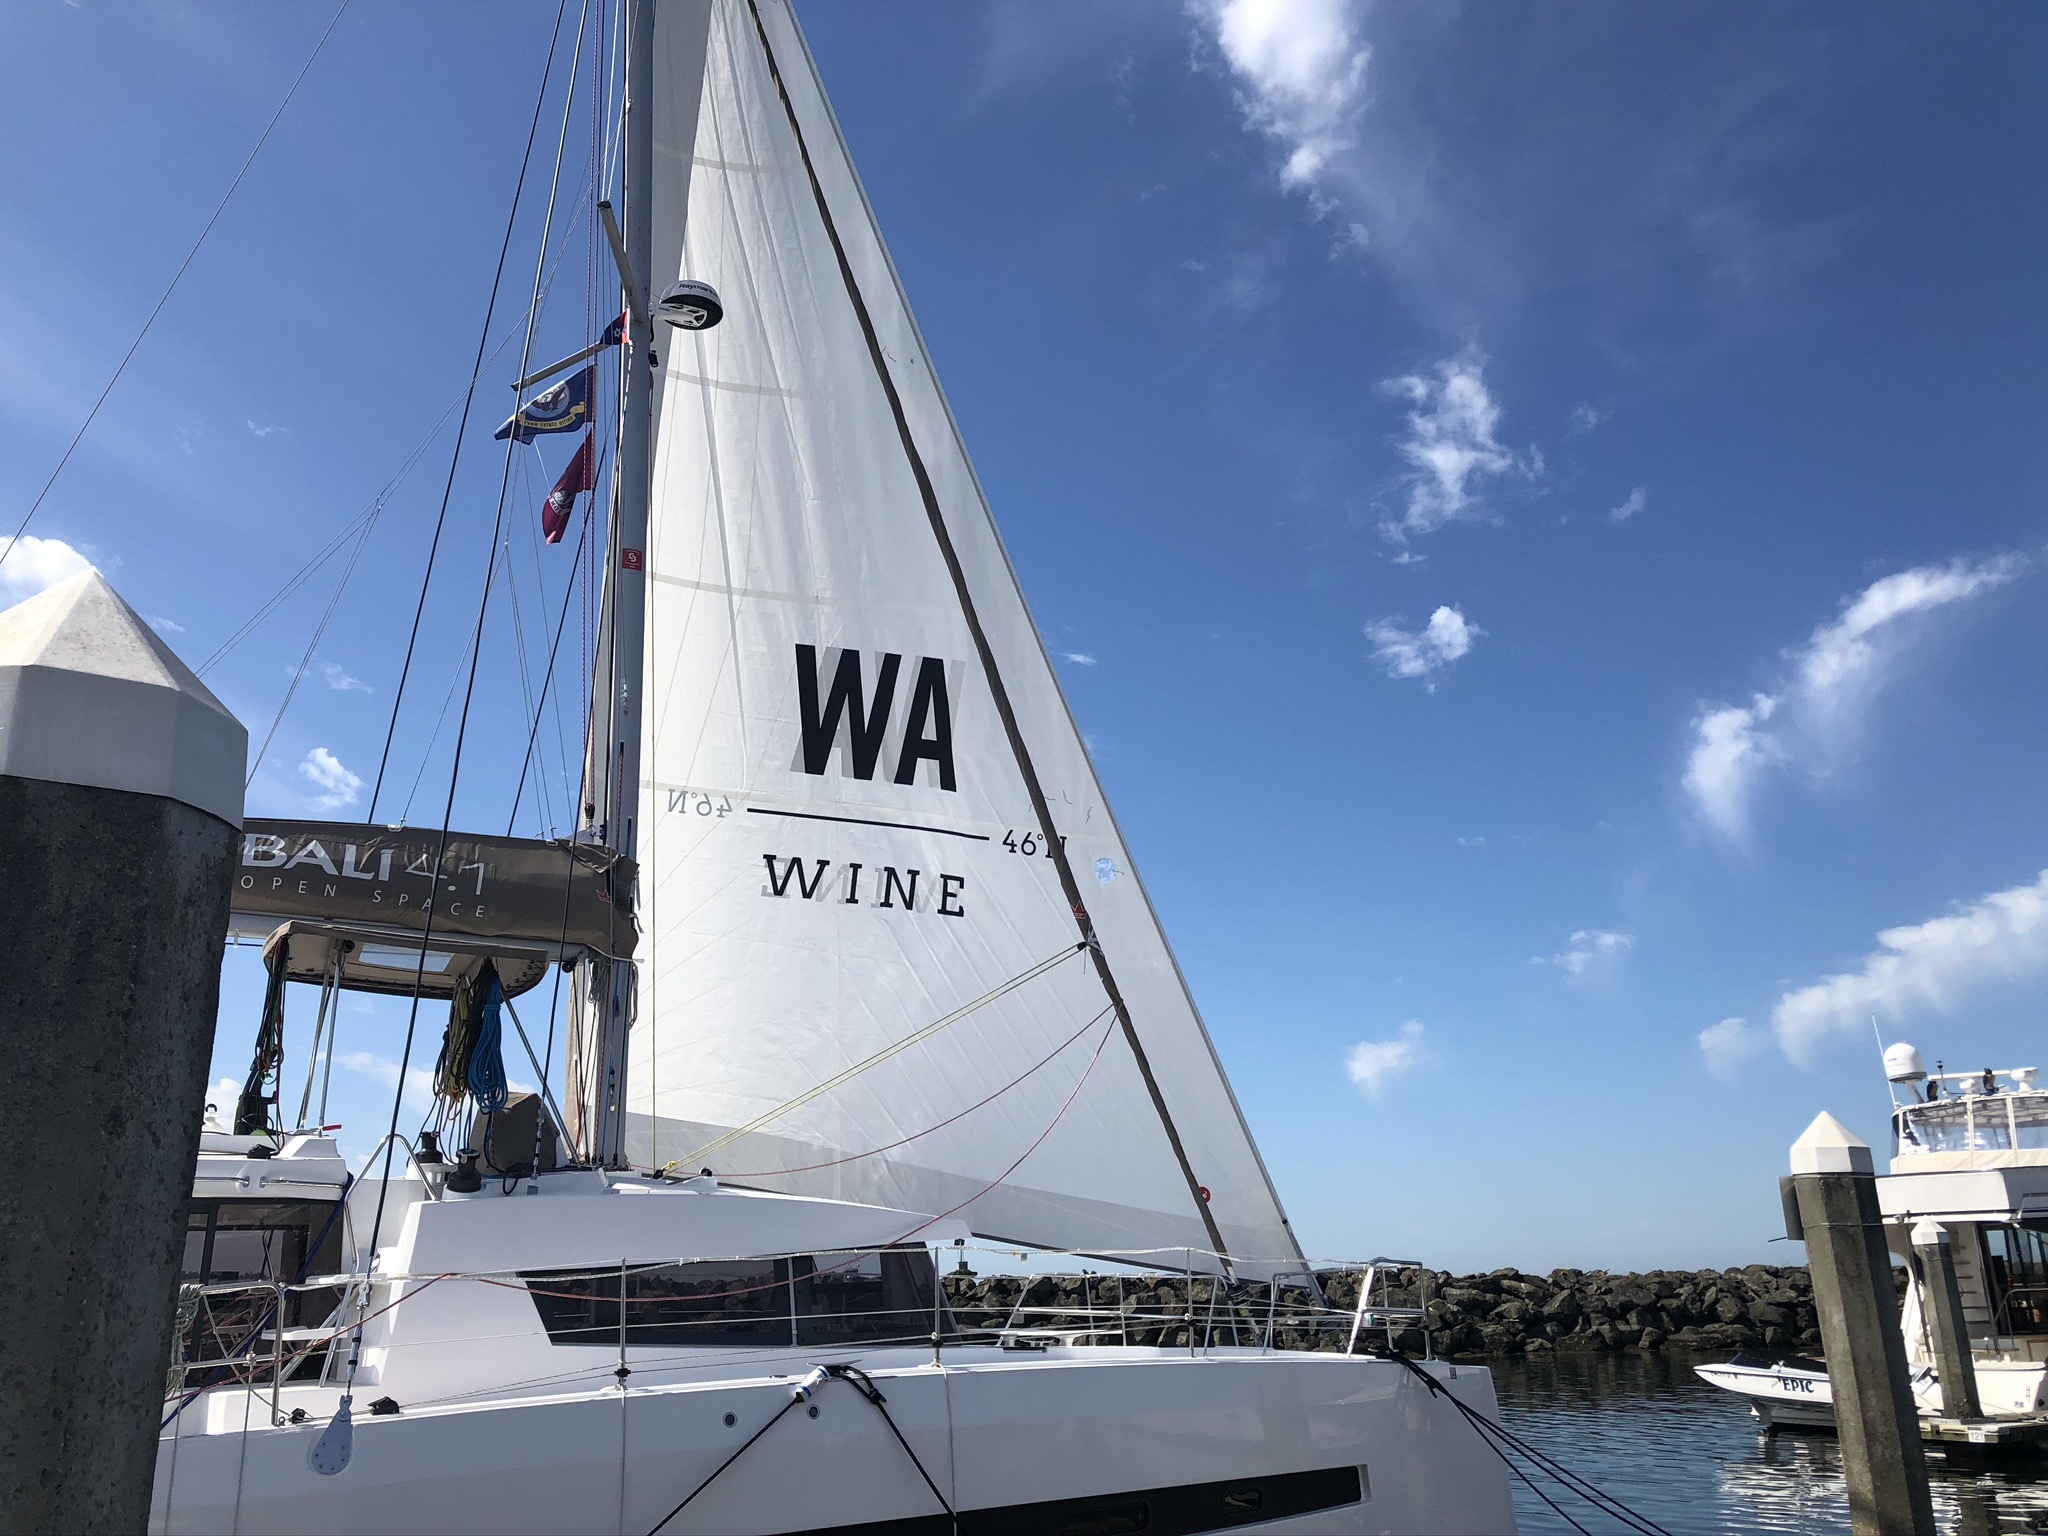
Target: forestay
(837, 847)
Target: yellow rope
(880, 1056)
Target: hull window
(2016, 1265)
(822, 1299)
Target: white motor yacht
(1969, 1153)
(867, 942)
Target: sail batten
(865, 803)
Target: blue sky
(1541, 512)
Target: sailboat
(882, 993)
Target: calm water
(1689, 1456)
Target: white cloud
(1078, 658)
(1637, 500)
(340, 681)
(1586, 946)
(1451, 444)
(1834, 675)
(29, 565)
(1302, 73)
(337, 786)
(1420, 653)
(1728, 1045)
(1586, 416)
(1472, 842)
(2002, 936)
(1372, 1063)
(419, 1082)
(1727, 753)
(163, 625)
(264, 431)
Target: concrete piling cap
(1828, 1146)
(90, 695)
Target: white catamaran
(892, 976)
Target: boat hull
(1229, 1440)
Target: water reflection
(1690, 1456)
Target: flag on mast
(581, 475)
(560, 407)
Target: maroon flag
(561, 502)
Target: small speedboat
(1790, 1389)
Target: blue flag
(563, 407)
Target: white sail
(837, 845)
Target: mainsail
(838, 845)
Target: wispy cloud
(260, 431)
(1728, 1046)
(1586, 948)
(1637, 500)
(1424, 652)
(1999, 937)
(1476, 841)
(31, 565)
(1374, 1063)
(1078, 658)
(163, 625)
(1586, 416)
(1452, 445)
(324, 771)
(1301, 75)
(1834, 675)
(419, 1083)
(340, 681)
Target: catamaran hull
(1110, 1439)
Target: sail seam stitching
(986, 654)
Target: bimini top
(1972, 1119)
(365, 958)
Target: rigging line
(476, 655)
(376, 509)
(1045, 1061)
(526, 763)
(469, 399)
(214, 218)
(1037, 1142)
(427, 758)
(306, 660)
(883, 1055)
(998, 692)
(519, 640)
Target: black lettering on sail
(806, 882)
(892, 883)
(866, 722)
(929, 734)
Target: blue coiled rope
(486, 1075)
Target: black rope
(176, 277)
(462, 725)
(468, 399)
(1488, 1428)
(864, 1384)
(735, 1456)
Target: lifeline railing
(1167, 1306)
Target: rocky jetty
(1506, 1312)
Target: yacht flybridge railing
(681, 1314)
(1973, 1122)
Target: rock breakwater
(1505, 1312)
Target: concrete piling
(1944, 1302)
(120, 796)
(1835, 1183)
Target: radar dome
(1902, 1064)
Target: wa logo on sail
(887, 717)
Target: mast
(626, 581)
